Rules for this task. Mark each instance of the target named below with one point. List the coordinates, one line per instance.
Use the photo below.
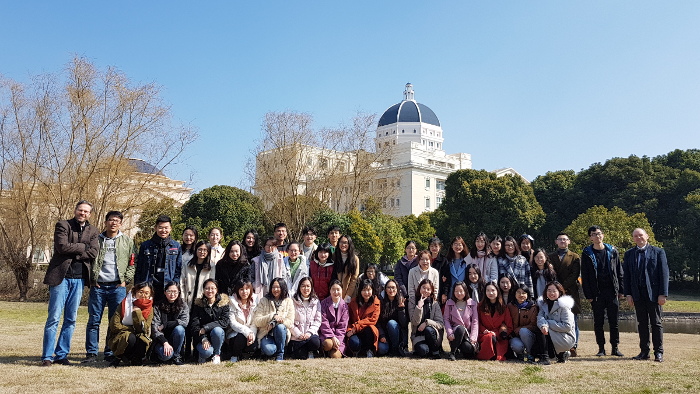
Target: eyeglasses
(562, 239)
(115, 220)
(172, 292)
(598, 234)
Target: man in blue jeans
(112, 270)
(75, 246)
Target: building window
(414, 131)
(392, 202)
(398, 183)
(427, 183)
(403, 131)
(427, 203)
(438, 201)
(397, 202)
(387, 133)
(431, 143)
(323, 163)
(440, 184)
(393, 132)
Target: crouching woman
(556, 321)
(130, 326)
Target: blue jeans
(109, 295)
(176, 339)
(525, 341)
(393, 338)
(216, 338)
(64, 298)
(273, 343)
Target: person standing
(309, 245)
(280, 234)
(646, 287)
(75, 246)
(112, 270)
(567, 266)
(216, 251)
(160, 259)
(601, 277)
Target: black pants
(429, 345)
(301, 349)
(135, 350)
(649, 312)
(462, 343)
(606, 301)
(238, 347)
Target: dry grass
(21, 327)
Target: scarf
(294, 266)
(475, 291)
(266, 259)
(481, 253)
(525, 305)
(128, 305)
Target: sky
(537, 86)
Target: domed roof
(408, 111)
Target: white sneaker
(311, 356)
(216, 360)
(234, 359)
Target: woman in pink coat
(461, 319)
(305, 340)
(334, 321)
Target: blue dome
(408, 111)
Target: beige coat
(265, 311)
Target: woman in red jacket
(363, 335)
(321, 270)
(495, 325)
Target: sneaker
(451, 357)
(563, 357)
(279, 357)
(62, 361)
(216, 359)
(545, 360)
(370, 354)
(310, 356)
(530, 358)
(89, 358)
(177, 360)
(234, 359)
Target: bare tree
(70, 137)
(297, 169)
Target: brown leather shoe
(573, 352)
(46, 363)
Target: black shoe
(115, 362)
(62, 361)
(601, 352)
(435, 356)
(177, 360)
(89, 358)
(641, 356)
(616, 352)
(659, 357)
(563, 357)
(109, 358)
(544, 360)
(451, 357)
(403, 352)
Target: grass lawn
(21, 328)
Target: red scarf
(146, 306)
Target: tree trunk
(22, 277)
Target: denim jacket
(148, 253)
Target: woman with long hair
(475, 283)
(233, 267)
(189, 239)
(523, 311)
(513, 264)
(456, 268)
(393, 322)
(347, 266)
(408, 261)
(307, 320)
(268, 266)
(170, 319)
(198, 270)
(130, 326)
(479, 255)
(241, 333)
(377, 277)
(335, 316)
(274, 318)
(251, 240)
(495, 325)
(426, 321)
(210, 318)
(526, 245)
(461, 319)
(363, 335)
(542, 271)
(556, 321)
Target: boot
(616, 352)
(601, 351)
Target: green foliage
(557, 194)
(479, 201)
(392, 236)
(616, 224)
(151, 211)
(236, 211)
(368, 245)
(325, 219)
(418, 229)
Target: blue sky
(538, 86)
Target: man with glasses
(646, 287)
(601, 279)
(112, 270)
(75, 245)
(567, 266)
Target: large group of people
(197, 301)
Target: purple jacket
(334, 323)
(469, 318)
